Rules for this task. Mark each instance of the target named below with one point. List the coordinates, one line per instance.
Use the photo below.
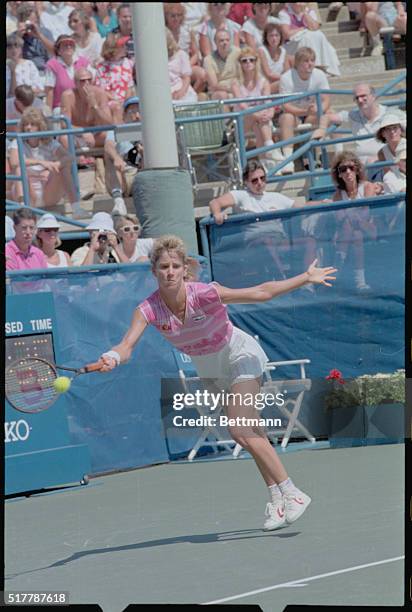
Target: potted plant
(368, 409)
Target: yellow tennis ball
(62, 384)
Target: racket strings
(29, 385)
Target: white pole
(159, 136)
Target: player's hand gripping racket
(31, 382)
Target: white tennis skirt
(241, 359)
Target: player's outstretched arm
(271, 289)
(122, 351)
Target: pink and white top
(206, 328)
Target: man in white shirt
(395, 179)
(366, 119)
(55, 17)
(303, 77)
(255, 199)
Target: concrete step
(341, 15)
(378, 78)
(345, 39)
(362, 65)
(335, 27)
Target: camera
(134, 156)
(102, 237)
(29, 26)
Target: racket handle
(93, 367)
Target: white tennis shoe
(276, 515)
(296, 503)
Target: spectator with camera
(103, 247)
(392, 133)
(122, 160)
(38, 41)
(394, 180)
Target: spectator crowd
(77, 59)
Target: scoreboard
(38, 448)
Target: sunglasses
(49, 229)
(343, 169)
(361, 96)
(130, 228)
(258, 179)
(85, 80)
(246, 60)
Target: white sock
(274, 492)
(287, 486)
(268, 143)
(287, 151)
(116, 192)
(359, 277)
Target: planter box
(366, 425)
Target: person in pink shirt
(21, 254)
(193, 317)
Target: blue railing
(265, 102)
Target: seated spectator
(135, 249)
(9, 232)
(240, 12)
(60, 70)
(103, 247)
(377, 15)
(115, 73)
(250, 84)
(300, 28)
(23, 98)
(392, 134)
(254, 198)
(89, 9)
(48, 166)
(221, 67)
(54, 17)
(174, 18)
(122, 160)
(11, 17)
(273, 57)
(87, 105)
(196, 13)
(88, 44)
(124, 28)
(303, 77)
(217, 12)
(47, 239)
(105, 18)
(254, 27)
(395, 179)
(352, 224)
(180, 71)
(366, 119)
(25, 71)
(38, 41)
(21, 254)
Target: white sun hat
(101, 221)
(48, 221)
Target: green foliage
(367, 390)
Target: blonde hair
(110, 46)
(119, 222)
(172, 46)
(304, 53)
(35, 116)
(170, 243)
(248, 52)
(39, 242)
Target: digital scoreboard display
(34, 345)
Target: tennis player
(193, 317)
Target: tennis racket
(29, 382)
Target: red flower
(335, 375)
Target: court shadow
(206, 538)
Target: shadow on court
(193, 534)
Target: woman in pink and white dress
(193, 317)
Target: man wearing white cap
(47, 238)
(395, 179)
(103, 246)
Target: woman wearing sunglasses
(47, 239)
(250, 83)
(353, 224)
(132, 247)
